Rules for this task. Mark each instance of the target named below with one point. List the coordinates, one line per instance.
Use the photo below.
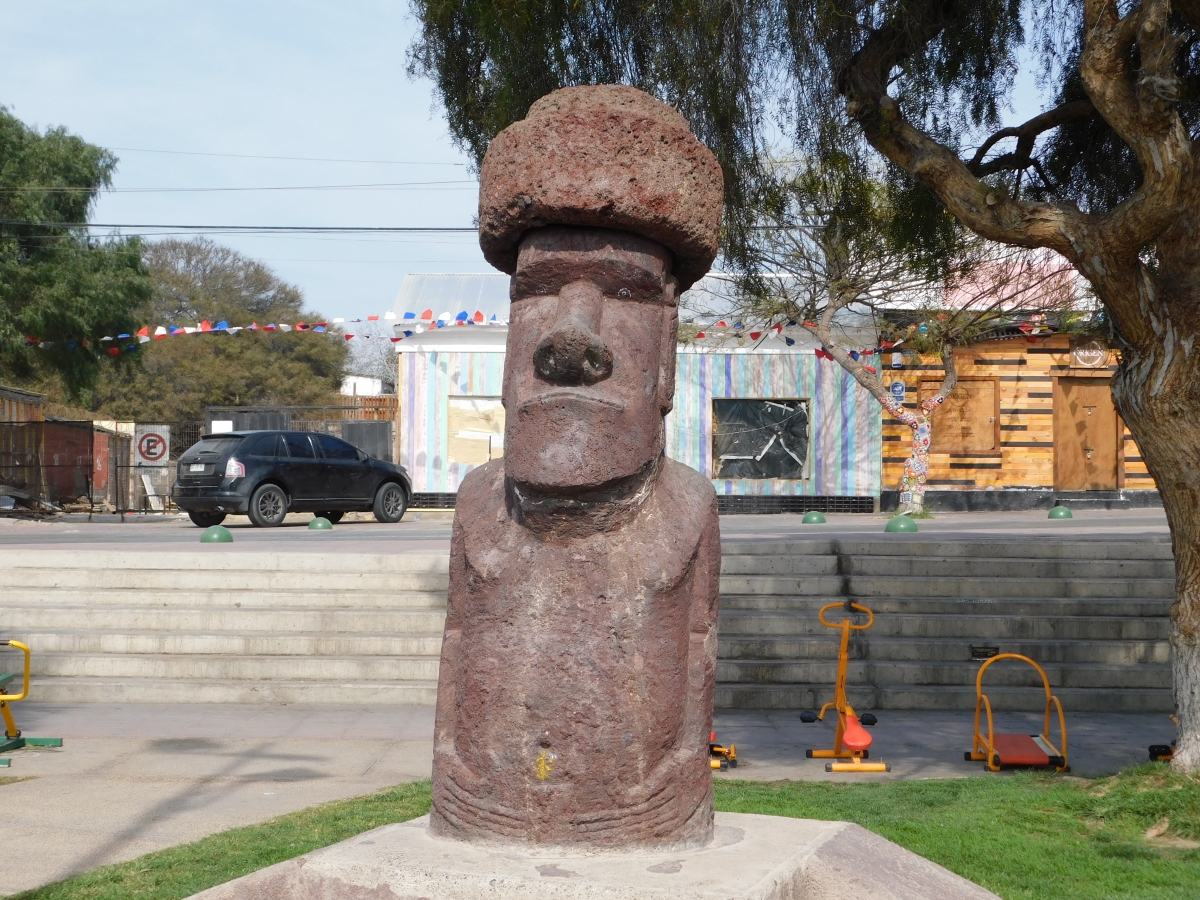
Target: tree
(177, 377)
(1106, 177)
(829, 244)
(57, 284)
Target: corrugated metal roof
(454, 293)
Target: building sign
(898, 390)
(152, 445)
(1089, 355)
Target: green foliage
(763, 78)
(177, 377)
(56, 283)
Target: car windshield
(214, 446)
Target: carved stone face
(590, 367)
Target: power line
(264, 229)
(382, 162)
(302, 187)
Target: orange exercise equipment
(999, 750)
(851, 744)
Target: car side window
(267, 445)
(298, 446)
(333, 448)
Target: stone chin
(564, 441)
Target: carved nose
(572, 354)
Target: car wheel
(268, 506)
(206, 519)
(390, 503)
(333, 517)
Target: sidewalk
(135, 778)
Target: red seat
(856, 737)
(1020, 750)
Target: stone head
(603, 207)
(590, 366)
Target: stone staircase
(241, 626)
(1094, 614)
(231, 627)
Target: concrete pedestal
(759, 857)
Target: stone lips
(607, 156)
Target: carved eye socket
(624, 293)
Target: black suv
(267, 474)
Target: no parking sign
(152, 445)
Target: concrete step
(1004, 673)
(786, 564)
(946, 606)
(220, 557)
(900, 586)
(302, 596)
(1146, 548)
(1006, 567)
(224, 579)
(237, 667)
(977, 627)
(188, 690)
(1130, 653)
(235, 643)
(281, 620)
(798, 585)
(733, 695)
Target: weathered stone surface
(750, 858)
(576, 685)
(606, 156)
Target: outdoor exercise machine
(999, 750)
(851, 744)
(1163, 752)
(720, 757)
(13, 739)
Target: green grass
(1021, 836)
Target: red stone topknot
(607, 156)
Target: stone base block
(759, 857)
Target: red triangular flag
(205, 326)
(348, 336)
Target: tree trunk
(1158, 396)
(916, 467)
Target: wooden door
(966, 422)
(1087, 435)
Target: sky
(205, 85)
(320, 80)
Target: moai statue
(576, 688)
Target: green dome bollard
(216, 534)
(813, 517)
(900, 525)
(1060, 512)
(320, 523)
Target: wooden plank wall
(1025, 369)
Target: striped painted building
(762, 420)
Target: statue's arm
(447, 694)
(702, 649)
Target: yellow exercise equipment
(999, 750)
(851, 743)
(13, 740)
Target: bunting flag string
(415, 323)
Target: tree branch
(986, 211)
(1027, 134)
(1141, 110)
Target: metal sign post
(151, 456)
